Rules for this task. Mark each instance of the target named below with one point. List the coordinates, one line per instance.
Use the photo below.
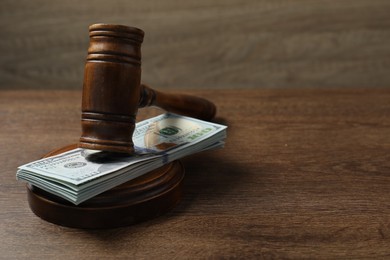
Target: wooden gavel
(112, 91)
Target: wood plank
(304, 174)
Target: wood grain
(304, 174)
(204, 44)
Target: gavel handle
(177, 103)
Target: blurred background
(203, 43)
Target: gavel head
(111, 89)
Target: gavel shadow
(209, 180)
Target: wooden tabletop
(305, 174)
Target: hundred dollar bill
(80, 174)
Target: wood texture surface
(204, 44)
(305, 174)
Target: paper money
(80, 174)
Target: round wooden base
(140, 199)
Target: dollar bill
(80, 174)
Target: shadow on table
(209, 180)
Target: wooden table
(305, 173)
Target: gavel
(112, 90)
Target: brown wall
(204, 43)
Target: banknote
(80, 174)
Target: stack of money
(80, 174)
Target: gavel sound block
(112, 94)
